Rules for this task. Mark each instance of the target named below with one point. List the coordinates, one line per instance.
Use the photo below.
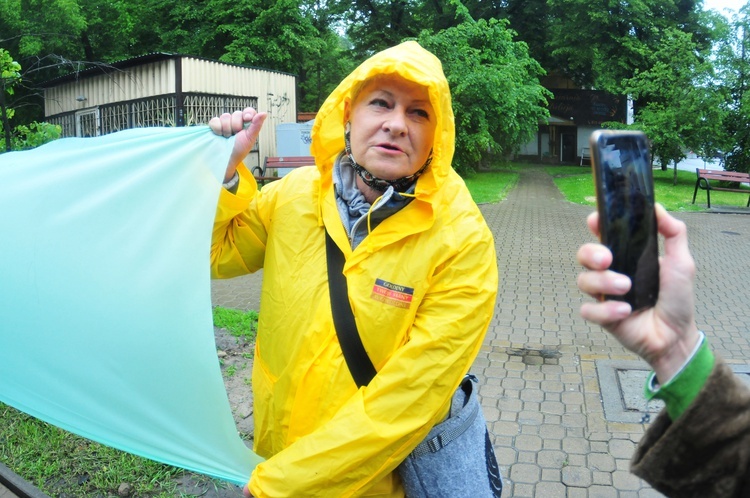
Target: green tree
(289, 36)
(533, 22)
(601, 46)
(269, 33)
(32, 28)
(683, 109)
(293, 36)
(10, 74)
(322, 71)
(22, 136)
(373, 25)
(733, 63)
(497, 99)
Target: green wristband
(684, 387)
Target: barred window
(158, 111)
(67, 124)
(87, 123)
(239, 103)
(114, 118)
(199, 109)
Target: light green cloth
(680, 391)
(105, 294)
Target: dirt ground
(235, 356)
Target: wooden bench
(262, 174)
(705, 175)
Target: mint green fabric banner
(105, 294)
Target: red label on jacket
(392, 294)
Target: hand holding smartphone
(621, 163)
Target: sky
(720, 5)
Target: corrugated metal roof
(104, 68)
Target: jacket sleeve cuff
(684, 387)
(233, 184)
(246, 189)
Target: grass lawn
(491, 186)
(60, 463)
(576, 185)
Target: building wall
(276, 92)
(586, 110)
(147, 80)
(205, 83)
(584, 133)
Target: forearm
(704, 452)
(671, 361)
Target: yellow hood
(412, 62)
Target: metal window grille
(199, 109)
(87, 123)
(158, 111)
(234, 103)
(114, 117)
(67, 124)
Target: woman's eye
(379, 103)
(422, 113)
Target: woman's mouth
(390, 147)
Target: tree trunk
(87, 48)
(5, 120)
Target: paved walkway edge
(17, 486)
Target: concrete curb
(17, 486)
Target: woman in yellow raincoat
(420, 267)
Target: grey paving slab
(6, 493)
(621, 383)
(541, 394)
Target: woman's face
(392, 126)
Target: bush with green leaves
(497, 98)
(22, 136)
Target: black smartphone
(621, 163)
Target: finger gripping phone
(621, 163)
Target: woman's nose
(396, 122)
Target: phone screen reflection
(627, 218)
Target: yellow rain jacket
(422, 286)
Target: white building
(168, 90)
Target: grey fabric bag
(456, 459)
